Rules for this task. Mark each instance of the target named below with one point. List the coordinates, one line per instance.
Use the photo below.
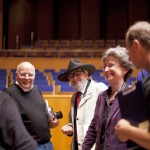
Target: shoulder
(10, 88)
(99, 85)
(101, 97)
(4, 97)
(6, 101)
(36, 89)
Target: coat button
(107, 145)
(107, 134)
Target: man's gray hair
(141, 32)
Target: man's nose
(106, 68)
(27, 76)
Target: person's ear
(137, 45)
(125, 71)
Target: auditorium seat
(3, 79)
(57, 82)
(98, 78)
(110, 43)
(76, 44)
(41, 44)
(88, 44)
(45, 88)
(142, 74)
(66, 88)
(64, 44)
(41, 82)
(26, 47)
(49, 70)
(121, 42)
(131, 80)
(52, 45)
(98, 44)
(98, 72)
(60, 87)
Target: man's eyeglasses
(72, 75)
(23, 75)
(110, 66)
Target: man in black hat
(83, 100)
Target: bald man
(32, 106)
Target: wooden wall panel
(90, 19)
(69, 19)
(116, 19)
(75, 19)
(16, 22)
(22, 21)
(1, 22)
(44, 26)
(138, 11)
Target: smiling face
(77, 79)
(113, 71)
(25, 75)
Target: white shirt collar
(25, 90)
(84, 87)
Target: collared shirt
(25, 90)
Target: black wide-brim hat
(76, 64)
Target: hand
(122, 130)
(53, 123)
(67, 129)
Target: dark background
(70, 19)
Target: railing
(51, 53)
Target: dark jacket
(13, 135)
(94, 130)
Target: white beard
(80, 85)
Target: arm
(125, 131)
(13, 131)
(68, 128)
